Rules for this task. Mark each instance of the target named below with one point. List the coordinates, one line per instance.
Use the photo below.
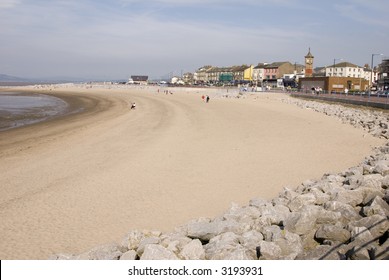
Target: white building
(259, 73)
(347, 69)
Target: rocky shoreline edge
(342, 216)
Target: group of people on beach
(317, 90)
(205, 98)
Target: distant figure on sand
(133, 106)
(207, 98)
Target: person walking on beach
(133, 106)
(207, 99)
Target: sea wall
(340, 216)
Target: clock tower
(309, 64)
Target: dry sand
(70, 184)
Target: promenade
(369, 100)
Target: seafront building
(383, 75)
(339, 77)
(333, 84)
(350, 70)
(263, 74)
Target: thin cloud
(372, 12)
(210, 2)
(117, 38)
(6, 4)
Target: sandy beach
(85, 179)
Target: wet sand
(86, 179)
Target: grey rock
(327, 217)
(273, 215)
(268, 251)
(146, 241)
(157, 252)
(321, 252)
(308, 240)
(369, 194)
(320, 197)
(132, 240)
(385, 182)
(129, 255)
(193, 251)
(354, 181)
(61, 257)
(353, 171)
(358, 254)
(288, 194)
(333, 233)
(348, 213)
(376, 224)
(300, 222)
(238, 255)
(386, 196)
(258, 202)
(361, 235)
(382, 252)
(272, 233)
(174, 242)
(382, 168)
(329, 188)
(250, 240)
(367, 169)
(103, 252)
(377, 206)
(206, 231)
(301, 200)
(224, 246)
(372, 181)
(290, 244)
(351, 197)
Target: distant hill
(7, 78)
(12, 80)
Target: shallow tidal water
(19, 109)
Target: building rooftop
(276, 64)
(345, 64)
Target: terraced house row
(261, 73)
(335, 77)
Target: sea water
(19, 109)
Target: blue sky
(115, 39)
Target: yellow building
(248, 73)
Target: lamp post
(335, 59)
(371, 76)
(295, 73)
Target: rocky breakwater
(340, 216)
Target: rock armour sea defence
(341, 216)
